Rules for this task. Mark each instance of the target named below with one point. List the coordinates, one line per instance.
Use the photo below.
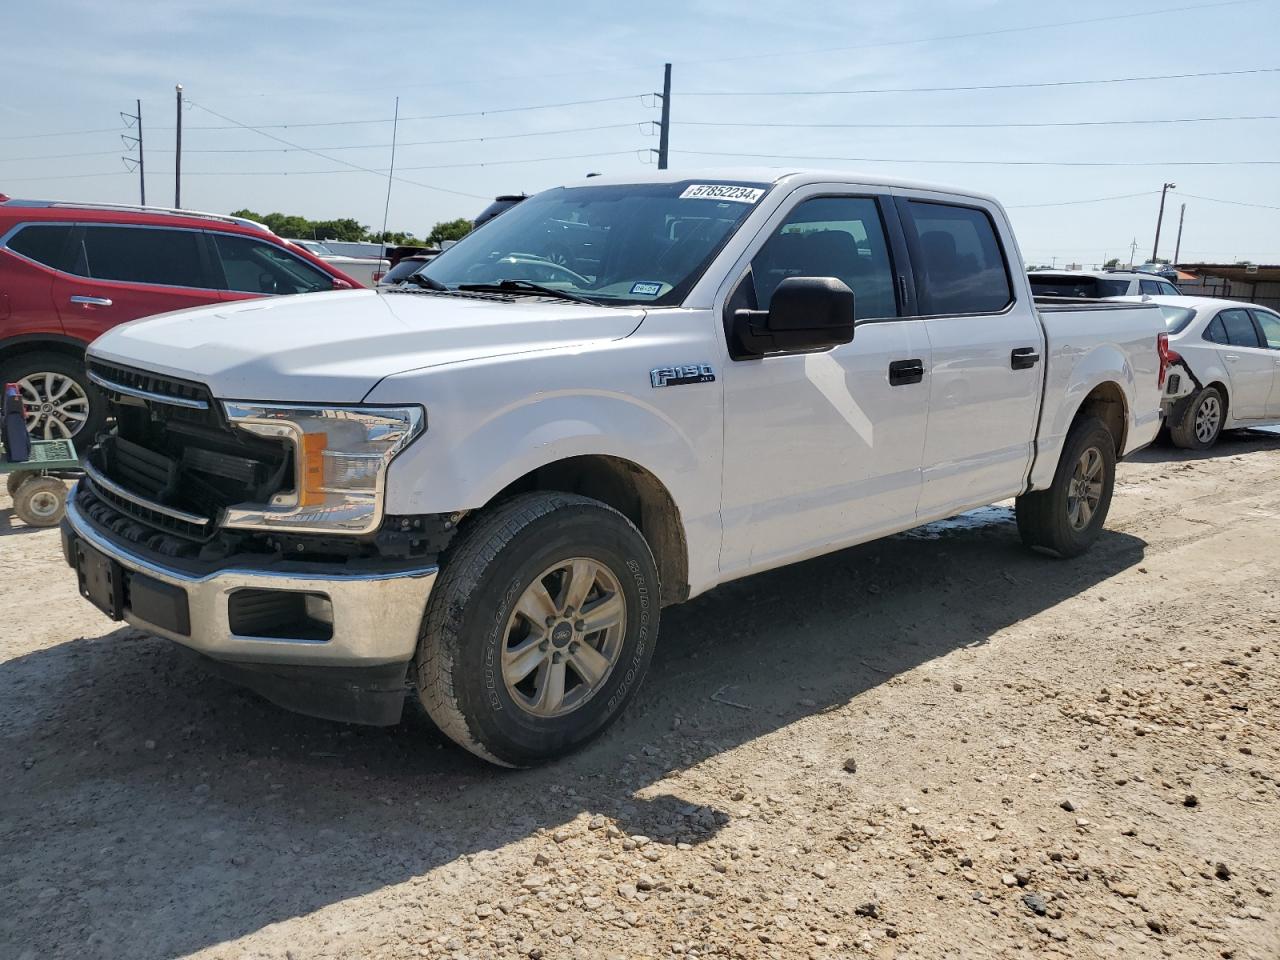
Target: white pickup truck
(490, 482)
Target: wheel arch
(634, 492)
(1107, 402)
(40, 343)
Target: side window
(1149, 288)
(253, 266)
(43, 243)
(142, 255)
(840, 237)
(1270, 324)
(1168, 289)
(1215, 332)
(1240, 329)
(961, 269)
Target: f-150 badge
(680, 375)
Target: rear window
(1177, 319)
(1066, 285)
(142, 255)
(961, 262)
(44, 243)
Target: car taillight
(1167, 356)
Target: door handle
(1231, 357)
(1023, 358)
(905, 371)
(91, 301)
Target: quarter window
(841, 237)
(141, 255)
(1149, 288)
(252, 266)
(1270, 324)
(962, 269)
(1240, 329)
(1215, 332)
(43, 243)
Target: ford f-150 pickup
(489, 482)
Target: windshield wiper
(527, 286)
(429, 283)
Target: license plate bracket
(101, 580)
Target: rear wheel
(539, 629)
(60, 401)
(1201, 422)
(1068, 517)
(40, 501)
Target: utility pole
(177, 154)
(664, 136)
(1177, 247)
(1133, 251)
(1155, 247)
(132, 119)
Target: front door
(822, 449)
(1270, 325)
(988, 355)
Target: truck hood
(334, 347)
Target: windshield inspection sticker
(722, 191)
(646, 288)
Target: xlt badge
(680, 375)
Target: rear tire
(61, 402)
(41, 501)
(509, 663)
(1201, 422)
(1065, 519)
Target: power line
(62, 133)
(70, 176)
(1006, 163)
(1071, 203)
(1234, 203)
(934, 126)
(61, 156)
(982, 86)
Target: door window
(1149, 288)
(141, 255)
(1240, 329)
(1168, 289)
(961, 265)
(841, 237)
(45, 243)
(252, 266)
(1270, 324)
(1215, 332)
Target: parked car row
(71, 271)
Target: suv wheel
(60, 401)
(539, 629)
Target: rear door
(30, 256)
(1249, 364)
(987, 345)
(118, 273)
(1269, 323)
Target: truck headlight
(341, 456)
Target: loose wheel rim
(1084, 492)
(1208, 416)
(44, 504)
(57, 406)
(563, 637)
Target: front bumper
(376, 618)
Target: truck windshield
(645, 243)
(1069, 285)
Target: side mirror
(805, 313)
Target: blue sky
(259, 62)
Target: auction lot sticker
(722, 191)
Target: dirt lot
(933, 746)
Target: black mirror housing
(805, 313)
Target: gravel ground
(933, 746)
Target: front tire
(61, 402)
(1065, 519)
(1201, 422)
(539, 629)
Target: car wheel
(1065, 519)
(60, 402)
(41, 501)
(1201, 422)
(539, 629)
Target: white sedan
(1225, 369)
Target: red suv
(71, 271)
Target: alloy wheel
(57, 406)
(1084, 491)
(1208, 417)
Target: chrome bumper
(376, 616)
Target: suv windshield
(644, 243)
(1068, 285)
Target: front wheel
(539, 629)
(1065, 519)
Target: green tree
(1112, 263)
(450, 230)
